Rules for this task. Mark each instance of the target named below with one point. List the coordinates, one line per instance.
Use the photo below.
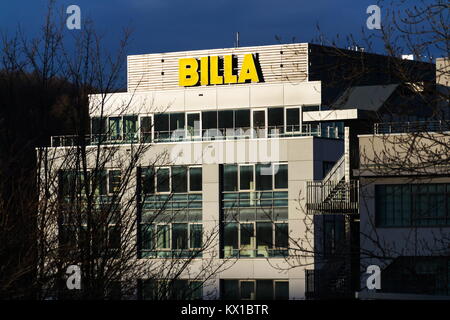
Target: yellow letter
(228, 75)
(248, 70)
(204, 71)
(187, 72)
(214, 77)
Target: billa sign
(216, 70)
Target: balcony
(332, 197)
(412, 127)
(192, 135)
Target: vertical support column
(347, 153)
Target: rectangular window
(292, 119)
(163, 180)
(264, 177)
(177, 121)
(162, 126)
(179, 236)
(148, 180)
(247, 234)
(276, 117)
(230, 177)
(114, 237)
(163, 236)
(242, 118)
(412, 205)
(264, 289)
(231, 236)
(281, 290)
(281, 235)
(98, 126)
(147, 237)
(281, 176)
(209, 120)
(264, 238)
(179, 179)
(115, 128)
(247, 290)
(226, 119)
(114, 181)
(130, 127)
(246, 177)
(146, 129)
(195, 179)
(193, 124)
(195, 236)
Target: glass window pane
(148, 180)
(281, 290)
(163, 180)
(242, 118)
(209, 120)
(115, 128)
(147, 237)
(246, 177)
(148, 289)
(226, 119)
(264, 234)
(179, 179)
(275, 117)
(292, 119)
(163, 236)
(179, 236)
(264, 289)
(176, 121)
(230, 236)
(193, 124)
(98, 125)
(196, 290)
(281, 176)
(196, 236)
(230, 178)
(114, 181)
(248, 290)
(114, 237)
(162, 122)
(100, 183)
(281, 235)
(130, 127)
(247, 233)
(230, 289)
(195, 179)
(263, 177)
(146, 129)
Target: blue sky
(175, 25)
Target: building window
(407, 205)
(195, 179)
(174, 179)
(268, 177)
(170, 223)
(176, 289)
(426, 275)
(254, 222)
(292, 119)
(255, 289)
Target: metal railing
(181, 135)
(332, 197)
(411, 127)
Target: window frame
(252, 124)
